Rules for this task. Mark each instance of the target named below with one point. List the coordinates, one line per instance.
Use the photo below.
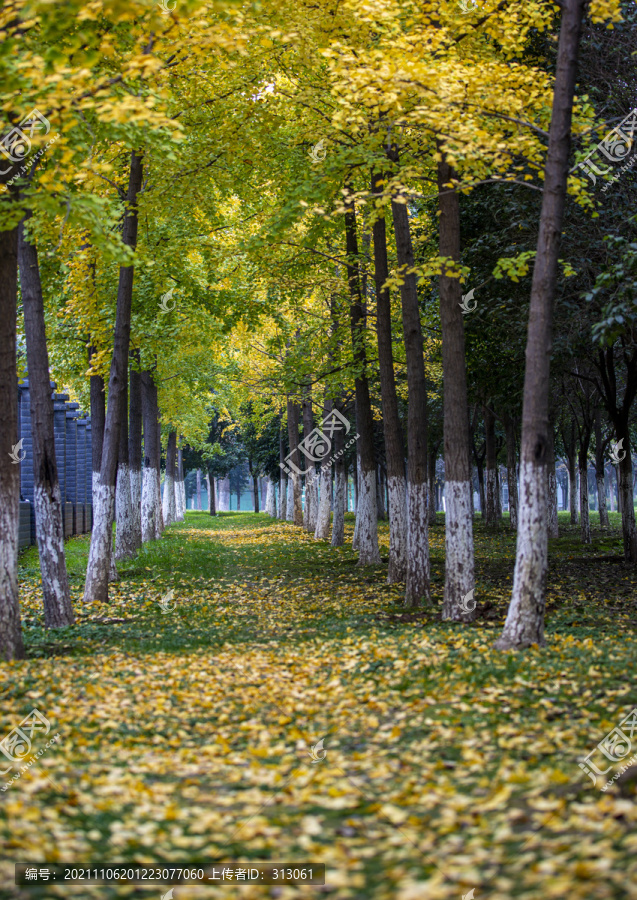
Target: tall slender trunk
(394, 446)
(198, 477)
(294, 478)
(149, 475)
(270, 500)
(135, 454)
(583, 488)
(289, 501)
(629, 532)
(340, 486)
(11, 645)
(524, 624)
(98, 422)
(180, 487)
(459, 560)
(553, 528)
(489, 439)
(159, 514)
(322, 530)
(380, 494)
(283, 480)
(169, 505)
(212, 506)
(255, 491)
(97, 572)
(417, 579)
(512, 479)
(498, 494)
(49, 527)
(367, 534)
(311, 488)
(571, 460)
(124, 547)
(599, 471)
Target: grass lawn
(185, 736)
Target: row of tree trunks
(150, 499)
(96, 584)
(135, 454)
(124, 539)
(170, 482)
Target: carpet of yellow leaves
(187, 737)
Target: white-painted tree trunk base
(97, 571)
(459, 602)
(524, 623)
(368, 552)
(149, 480)
(169, 506)
(124, 515)
(289, 502)
(159, 517)
(322, 530)
(397, 569)
(136, 507)
(417, 581)
(283, 493)
(572, 497)
(50, 538)
(338, 519)
(270, 500)
(310, 512)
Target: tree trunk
(627, 506)
(512, 480)
(180, 487)
(49, 528)
(498, 494)
(135, 454)
(381, 514)
(322, 530)
(283, 480)
(599, 471)
(294, 473)
(255, 490)
(198, 482)
(431, 504)
(483, 500)
(149, 475)
(11, 645)
(169, 504)
(97, 572)
(368, 552)
(98, 422)
(524, 624)
(583, 494)
(489, 439)
(394, 446)
(123, 500)
(553, 528)
(459, 560)
(212, 506)
(289, 501)
(270, 500)
(417, 579)
(340, 486)
(159, 514)
(311, 488)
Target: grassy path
(186, 735)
